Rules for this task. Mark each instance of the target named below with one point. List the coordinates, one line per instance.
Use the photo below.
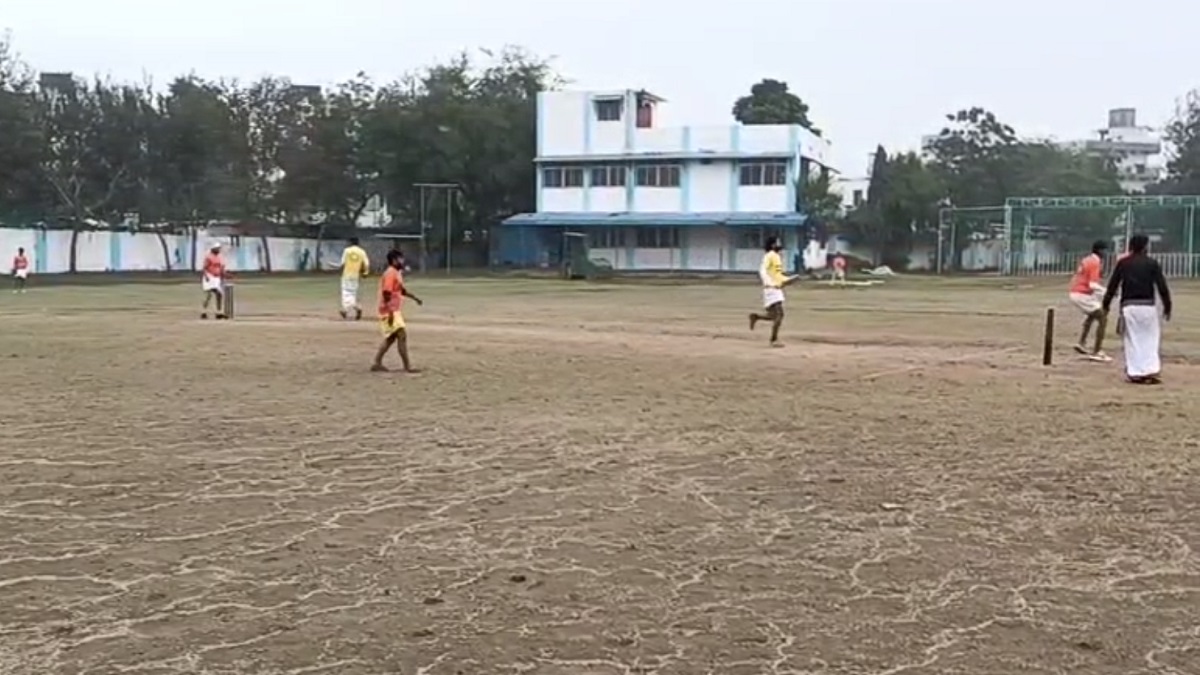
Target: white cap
(214, 244)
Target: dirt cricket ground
(591, 480)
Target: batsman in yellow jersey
(773, 281)
(355, 266)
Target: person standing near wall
(20, 271)
(212, 281)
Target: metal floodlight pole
(449, 189)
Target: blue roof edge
(656, 219)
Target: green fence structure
(1031, 236)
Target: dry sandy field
(592, 479)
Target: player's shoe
(358, 314)
(204, 315)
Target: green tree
(770, 102)
(92, 150)
(982, 162)
(1183, 135)
(20, 140)
(196, 152)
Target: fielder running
(355, 266)
(773, 280)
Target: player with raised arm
(1085, 293)
(20, 271)
(212, 281)
(770, 273)
(391, 322)
(355, 266)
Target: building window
(773, 173)
(606, 237)
(755, 237)
(665, 176)
(857, 198)
(609, 176)
(609, 109)
(658, 237)
(562, 177)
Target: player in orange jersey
(212, 281)
(1085, 293)
(20, 271)
(391, 322)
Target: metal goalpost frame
(422, 249)
(948, 235)
(449, 191)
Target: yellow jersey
(771, 271)
(354, 263)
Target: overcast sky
(873, 71)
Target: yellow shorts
(395, 325)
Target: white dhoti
(1141, 339)
(349, 293)
(772, 296)
(1087, 303)
(210, 283)
(22, 274)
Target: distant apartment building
(1136, 151)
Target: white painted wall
(560, 122)
(710, 185)
(764, 198)
(50, 251)
(605, 200)
(708, 248)
(657, 200)
(562, 200)
(847, 186)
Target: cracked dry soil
(588, 481)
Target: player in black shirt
(1140, 281)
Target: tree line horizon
(201, 150)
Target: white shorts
(211, 283)
(772, 296)
(1087, 303)
(839, 275)
(350, 293)
(21, 274)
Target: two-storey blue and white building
(655, 196)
